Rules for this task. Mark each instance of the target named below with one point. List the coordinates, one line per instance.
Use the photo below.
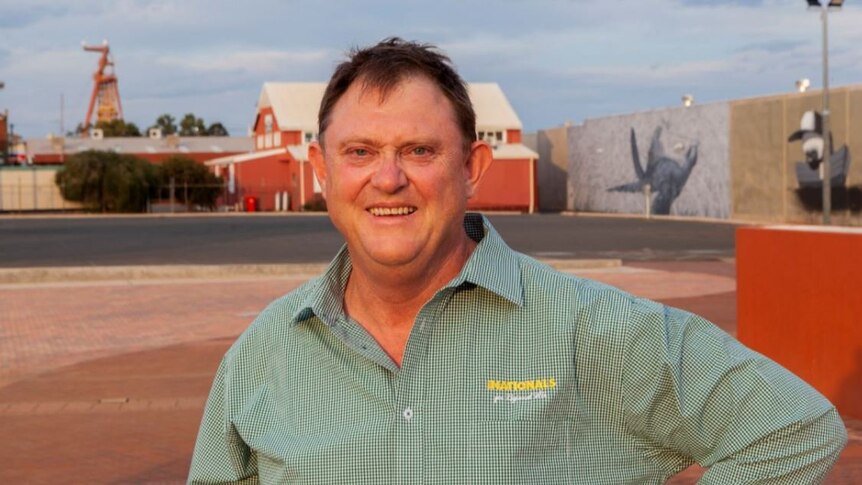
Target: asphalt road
(262, 239)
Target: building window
(310, 136)
(267, 123)
(276, 138)
(492, 137)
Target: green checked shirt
(513, 373)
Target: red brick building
(278, 176)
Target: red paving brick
(106, 382)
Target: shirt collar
(492, 266)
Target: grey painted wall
(600, 158)
(553, 165)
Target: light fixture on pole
(827, 136)
(687, 100)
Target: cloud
(258, 61)
(715, 3)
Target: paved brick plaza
(104, 382)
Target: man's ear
(318, 164)
(478, 161)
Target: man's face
(396, 174)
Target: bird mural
(808, 173)
(665, 176)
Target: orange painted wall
(506, 186)
(264, 177)
(799, 301)
(260, 126)
(513, 136)
(293, 137)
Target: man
(429, 352)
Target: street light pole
(827, 135)
(826, 170)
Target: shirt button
(408, 414)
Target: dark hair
(384, 66)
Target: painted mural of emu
(665, 175)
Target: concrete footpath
(104, 381)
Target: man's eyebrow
(358, 141)
(430, 141)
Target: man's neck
(386, 300)
(391, 288)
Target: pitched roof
(492, 107)
(294, 105)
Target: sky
(556, 60)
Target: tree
(166, 123)
(189, 125)
(109, 129)
(193, 183)
(118, 128)
(107, 181)
(217, 129)
(192, 126)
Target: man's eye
(361, 152)
(421, 151)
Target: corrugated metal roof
(245, 157)
(295, 105)
(182, 144)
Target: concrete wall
(763, 162)
(552, 167)
(27, 188)
(602, 175)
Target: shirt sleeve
(221, 456)
(692, 390)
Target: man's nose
(389, 176)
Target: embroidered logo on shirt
(517, 391)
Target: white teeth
(391, 211)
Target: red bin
(251, 204)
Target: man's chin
(390, 255)
(394, 260)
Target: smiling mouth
(391, 211)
